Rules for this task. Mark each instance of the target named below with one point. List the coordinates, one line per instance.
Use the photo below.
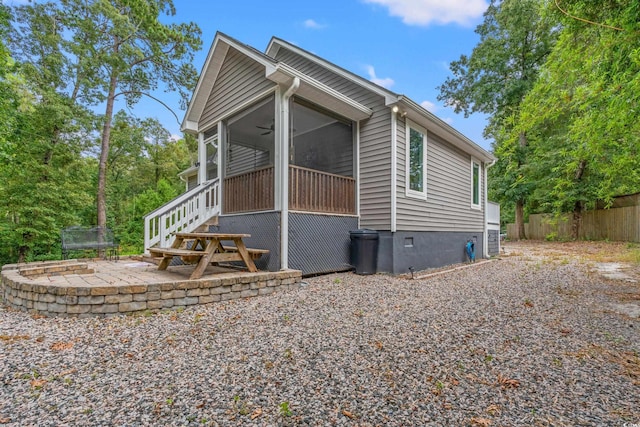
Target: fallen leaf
(482, 422)
(256, 413)
(348, 414)
(508, 382)
(5, 420)
(12, 338)
(379, 345)
(59, 346)
(69, 372)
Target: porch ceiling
(320, 93)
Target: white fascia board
(189, 126)
(275, 44)
(209, 74)
(320, 93)
(433, 123)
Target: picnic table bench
(207, 248)
(89, 238)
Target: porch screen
(321, 140)
(251, 138)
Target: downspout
(394, 166)
(485, 237)
(284, 174)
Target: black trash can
(364, 251)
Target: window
(416, 162)
(475, 185)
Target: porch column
(202, 159)
(282, 140)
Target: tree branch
(135, 92)
(586, 20)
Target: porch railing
(184, 213)
(309, 191)
(315, 191)
(248, 192)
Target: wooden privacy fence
(617, 224)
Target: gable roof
(278, 72)
(413, 110)
(316, 91)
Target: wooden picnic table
(208, 248)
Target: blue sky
(404, 45)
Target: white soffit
(320, 93)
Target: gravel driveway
(518, 341)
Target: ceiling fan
(268, 129)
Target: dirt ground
(617, 261)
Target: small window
(416, 185)
(475, 185)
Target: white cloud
(448, 120)
(429, 106)
(312, 24)
(386, 82)
(425, 12)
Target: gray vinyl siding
(375, 141)
(375, 170)
(240, 79)
(246, 159)
(448, 204)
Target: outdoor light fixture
(395, 109)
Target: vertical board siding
(375, 141)
(448, 204)
(240, 79)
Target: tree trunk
(578, 207)
(104, 156)
(520, 233)
(104, 153)
(576, 225)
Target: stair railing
(184, 213)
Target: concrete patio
(86, 288)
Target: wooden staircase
(194, 210)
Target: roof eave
(418, 113)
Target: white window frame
(479, 186)
(408, 191)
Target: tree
(42, 173)
(583, 111)
(110, 50)
(515, 39)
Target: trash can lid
(363, 232)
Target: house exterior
(297, 152)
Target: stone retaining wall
(86, 301)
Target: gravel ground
(519, 341)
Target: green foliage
(58, 61)
(515, 39)
(582, 114)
